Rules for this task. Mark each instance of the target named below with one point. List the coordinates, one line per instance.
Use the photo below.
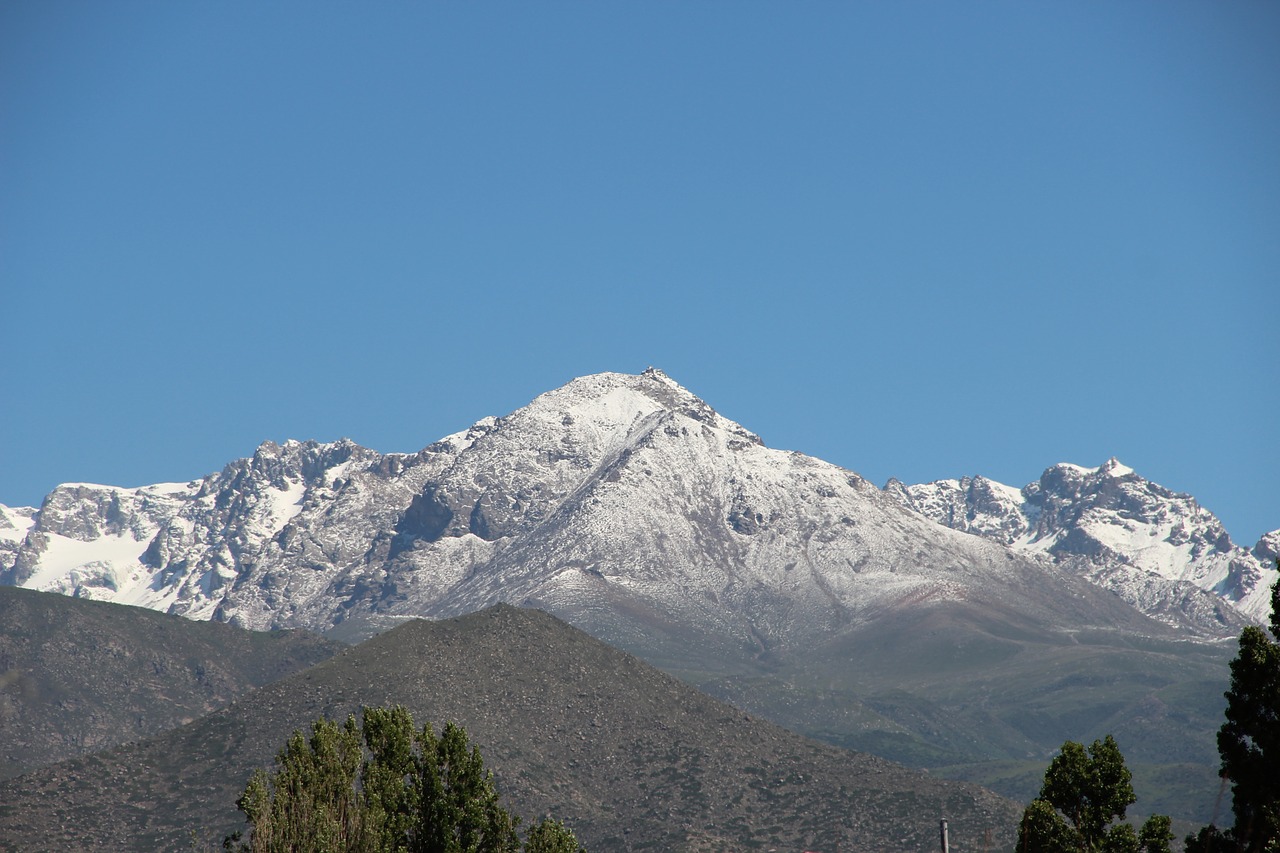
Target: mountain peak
(1113, 467)
(610, 400)
(656, 373)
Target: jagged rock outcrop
(1155, 547)
(1268, 548)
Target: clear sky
(917, 239)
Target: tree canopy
(1083, 792)
(384, 787)
(1249, 744)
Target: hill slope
(631, 758)
(80, 676)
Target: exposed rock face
(15, 526)
(1126, 533)
(971, 504)
(179, 547)
(1268, 548)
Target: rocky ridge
(1155, 547)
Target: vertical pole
(946, 847)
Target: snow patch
(15, 522)
(1008, 493)
(61, 555)
(285, 504)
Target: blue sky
(916, 239)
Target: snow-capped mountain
(621, 502)
(794, 588)
(1124, 532)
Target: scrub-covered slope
(80, 676)
(630, 758)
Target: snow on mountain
(1268, 548)
(90, 541)
(623, 503)
(612, 490)
(1126, 533)
(15, 523)
(172, 547)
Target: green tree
(382, 787)
(458, 808)
(1249, 744)
(309, 803)
(389, 803)
(1083, 792)
(1156, 834)
(551, 836)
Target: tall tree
(1083, 792)
(381, 787)
(1249, 744)
(389, 803)
(458, 808)
(1249, 741)
(309, 803)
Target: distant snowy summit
(1123, 530)
(628, 506)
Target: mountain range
(612, 486)
(963, 626)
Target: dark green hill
(78, 676)
(629, 757)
